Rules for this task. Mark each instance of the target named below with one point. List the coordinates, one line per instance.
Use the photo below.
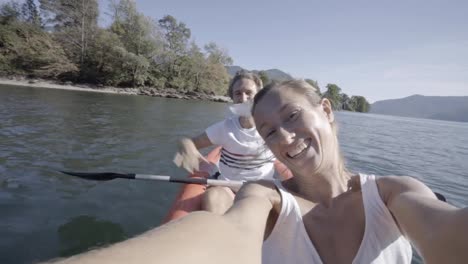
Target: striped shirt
(244, 155)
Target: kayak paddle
(107, 176)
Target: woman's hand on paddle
(188, 156)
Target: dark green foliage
(333, 94)
(27, 50)
(360, 104)
(134, 51)
(263, 75)
(9, 12)
(139, 43)
(176, 34)
(31, 14)
(75, 24)
(341, 101)
(217, 55)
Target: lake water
(45, 214)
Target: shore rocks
(190, 95)
(148, 91)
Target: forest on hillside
(61, 40)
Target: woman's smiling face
(297, 132)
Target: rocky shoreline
(165, 93)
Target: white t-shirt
(244, 155)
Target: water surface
(46, 214)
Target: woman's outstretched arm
(438, 230)
(200, 237)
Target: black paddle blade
(100, 176)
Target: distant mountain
(277, 75)
(273, 74)
(233, 69)
(451, 108)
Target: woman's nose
(285, 136)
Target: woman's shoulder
(391, 186)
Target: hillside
(451, 108)
(273, 74)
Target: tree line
(61, 40)
(339, 100)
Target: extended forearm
(200, 237)
(438, 230)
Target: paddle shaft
(211, 182)
(106, 176)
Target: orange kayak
(190, 195)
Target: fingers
(194, 163)
(178, 159)
(187, 162)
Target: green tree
(217, 54)
(75, 24)
(173, 61)
(195, 68)
(264, 77)
(9, 12)
(133, 51)
(346, 103)
(141, 39)
(31, 14)
(26, 49)
(177, 34)
(215, 77)
(333, 94)
(106, 61)
(314, 84)
(360, 104)
(138, 33)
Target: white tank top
(382, 241)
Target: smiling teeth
(298, 150)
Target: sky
(378, 49)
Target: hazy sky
(379, 49)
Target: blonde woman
(324, 214)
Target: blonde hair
(243, 74)
(303, 88)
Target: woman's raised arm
(438, 230)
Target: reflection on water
(84, 232)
